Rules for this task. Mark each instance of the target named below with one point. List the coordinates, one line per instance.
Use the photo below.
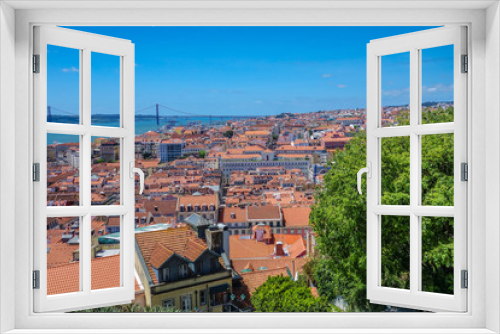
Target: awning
(219, 288)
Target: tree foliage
(282, 294)
(339, 217)
(201, 154)
(229, 134)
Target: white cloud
(72, 69)
(341, 86)
(396, 92)
(327, 75)
(437, 88)
(258, 101)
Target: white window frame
(86, 44)
(484, 102)
(413, 43)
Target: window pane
(437, 169)
(395, 170)
(437, 84)
(105, 252)
(63, 165)
(437, 254)
(395, 94)
(63, 266)
(63, 85)
(396, 252)
(105, 89)
(105, 179)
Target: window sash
(86, 43)
(412, 43)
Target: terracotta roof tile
(296, 216)
(263, 212)
(175, 239)
(160, 254)
(105, 274)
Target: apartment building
(178, 269)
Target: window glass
(105, 89)
(437, 84)
(63, 255)
(395, 93)
(63, 170)
(63, 89)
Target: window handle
(139, 171)
(368, 171)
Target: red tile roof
(105, 274)
(182, 241)
(296, 216)
(263, 212)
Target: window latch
(139, 171)
(368, 171)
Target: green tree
(229, 134)
(201, 154)
(339, 218)
(282, 294)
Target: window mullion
(415, 241)
(86, 168)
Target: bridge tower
(157, 117)
(49, 114)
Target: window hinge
(36, 172)
(465, 64)
(36, 279)
(464, 171)
(465, 279)
(36, 63)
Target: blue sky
(248, 70)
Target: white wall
(7, 158)
(492, 164)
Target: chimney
(278, 249)
(308, 244)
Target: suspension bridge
(164, 115)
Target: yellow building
(178, 269)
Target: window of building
(186, 303)
(183, 270)
(168, 303)
(203, 297)
(166, 274)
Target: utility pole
(157, 117)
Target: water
(142, 125)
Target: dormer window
(165, 274)
(183, 270)
(199, 268)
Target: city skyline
(248, 70)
